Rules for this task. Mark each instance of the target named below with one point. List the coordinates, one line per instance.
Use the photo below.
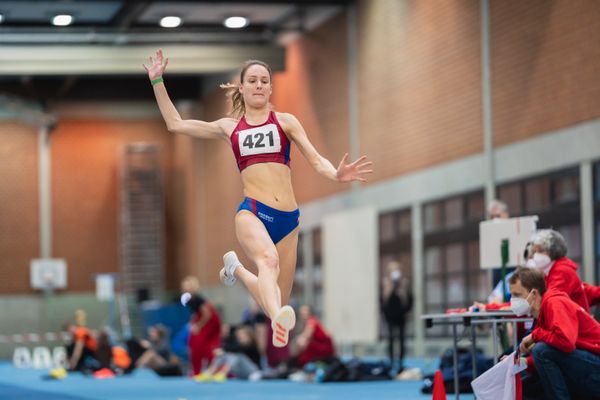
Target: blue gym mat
(28, 384)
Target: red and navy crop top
(253, 144)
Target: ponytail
(239, 108)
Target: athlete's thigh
(253, 236)
(287, 248)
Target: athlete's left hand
(353, 171)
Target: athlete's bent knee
(268, 261)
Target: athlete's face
(256, 87)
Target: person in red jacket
(205, 332)
(314, 343)
(565, 343)
(592, 293)
(205, 325)
(550, 256)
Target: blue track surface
(25, 384)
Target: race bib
(260, 140)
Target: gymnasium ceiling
(100, 54)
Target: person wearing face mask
(565, 343)
(396, 302)
(495, 298)
(550, 256)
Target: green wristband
(157, 80)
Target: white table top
(473, 314)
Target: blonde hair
(190, 284)
(239, 108)
(80, 318)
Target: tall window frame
(452, 274)
(555, 198)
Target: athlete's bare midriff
(271, 184)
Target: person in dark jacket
(396, 302)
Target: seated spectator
(239, 358)
(565, 343)
(157, 351)
(154, 353)
(114, 358)
(499, 298)
(83, 345)
(314, 343)
(550, 256)
(255, 317)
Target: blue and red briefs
(278, 223)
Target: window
(452, 278)
(387, 230)
(511, 195)
(395, 245)
(317, 272)
(537, 194)
(308, 278)
(433, 217)
(298, 290)
(554, 198)
(475, 208)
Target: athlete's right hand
(157, 65)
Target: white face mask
(520, 306)
(540, 261)
(396, 275)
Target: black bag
(465, 370)
(169, 370)
(356, 370)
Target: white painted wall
(350, 267)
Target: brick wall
(420, 105)
(19, 214)
(85, 165)
(420, 83)
(545, 63)
(314, 87)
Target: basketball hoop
(49, 280)
(48, 274)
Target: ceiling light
(62, 20)
(170, 22)
(236, 22)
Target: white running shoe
(230, 262)
(282, 324)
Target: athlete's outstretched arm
(344, 173)
(190, 127)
